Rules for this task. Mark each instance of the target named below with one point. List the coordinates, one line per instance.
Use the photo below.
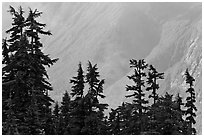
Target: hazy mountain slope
(110, 34)
(176, 38)
(191, 59)
(180, 47)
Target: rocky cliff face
(191, 59)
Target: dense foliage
(26, 105)
(25, 81)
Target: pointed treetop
(189, 78)
(78, 83)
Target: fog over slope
(110, 34)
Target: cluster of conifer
(162, 115)
(26, 105)
(82, 113)
(25, 86)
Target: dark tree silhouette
(114, 122)
(56, 110)
(139, 101)
(120, 120)
(94, 109)
(152, 78)
(65, 113)
(152, 81)
(167, 116)
(78, 83)
(24, 71)
(190, 104)
(78, 110)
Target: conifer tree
(65, 112)
(167, 116)
(78, 83)
(114, 122)
(94, 109)
(152, 78)
(139, 101)
(57, 120)
(120, 120)
(152, 81)
(125, 115)
(49, 126)
(180, 114)
(190, 104)
(104, 129)
(26, 74)
(56, 110)
(77, 112)
(179, 102)
(5, 53)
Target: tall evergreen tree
(65, 113)
(56, 110)
(152, 78)
(190, 104)
(78, 83)
(26, 70)
(152, 81)
(139, 101)
(77, 112)
(167, 117)
(94, 109)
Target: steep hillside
(192, 59)
(180, 47)
(108, 34)
(167, 35)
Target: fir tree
(125, 115)
(5, 53)
(78, 83)
(94, 109)
(152, 81)
(56, 110)
(139, 101)
(179, 102)
(120, 120)
(77, 112)
(152, 78)
(56, 119)
(26, 69)
(167, 117)
(65, 112)
(180, 114)
(114, 122)
(190, 104)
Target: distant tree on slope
(190, 105)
